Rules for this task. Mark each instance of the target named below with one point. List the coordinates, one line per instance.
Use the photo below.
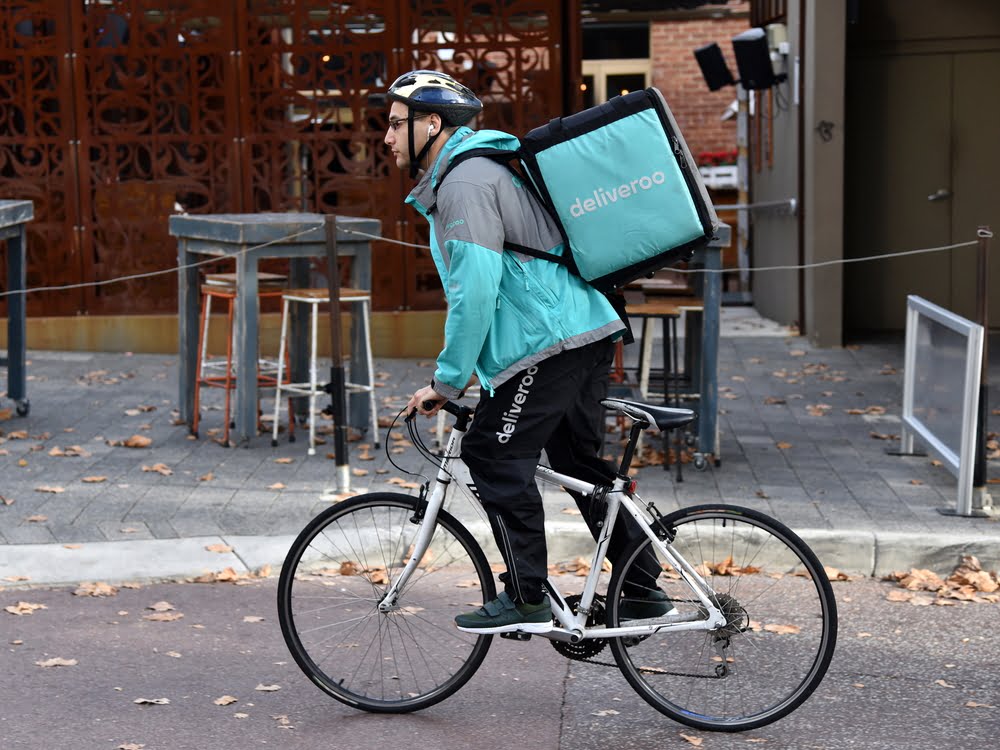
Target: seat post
(633, 439)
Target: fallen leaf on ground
(220, 548)
(253, 618)
(284, 460)
(943, 684)
(159, 469)
(161, 607)
(96, 588)
(130, 746)
(163, 616)
(225, 700)
(50, 488)
(403, 483)
(696, 741)
(37, 519)
(137, 441)
(267, 688)
(783, 446)
(206, 477)
(974, 704)
(276, 486)
(57, 661)
(152, 701)
(782, 629)
(571, 511)
(94, 480)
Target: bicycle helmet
(433, 91)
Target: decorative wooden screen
(116, 113)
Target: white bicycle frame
(574, 624)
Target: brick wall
(676, 73)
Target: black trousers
(555, 406)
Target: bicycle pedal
(516, 636)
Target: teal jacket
(506, 311)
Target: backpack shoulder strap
(507, 159)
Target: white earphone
(430, 130)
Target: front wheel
(781, 620)
(336, 574)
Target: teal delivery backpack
(622, 185)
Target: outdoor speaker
(753, 59)
(713, 67)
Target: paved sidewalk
(79, 505)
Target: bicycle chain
(562, 649)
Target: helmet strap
(416, 161)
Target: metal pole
(981, 498)
(743, 183)
(336, 388)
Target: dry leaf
(163, 616)
(161, 607)
(783, 446)
(359, 472)
(24, 608)
(206, 477)
(973, 704)
(94, 480)
(138, 441)
(131, 746)
(696, 741)
(943, 684)
(52, 489)
(276, 486)
(253, 618)
(152, 701)
(37, 519)
(782, 629)
(95, 589)
(220, 548)
(225, 700)
(159, 469)
(571, 511)
(267, 688)
(57, 661)
(403, 483)
(284, 460)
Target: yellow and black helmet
(433, 91)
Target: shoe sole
(520, 627)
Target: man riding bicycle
(538, 338)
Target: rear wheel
(337, 573)
(781, 626)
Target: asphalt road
(903, 676)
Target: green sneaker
(653, 603)
(502, 615)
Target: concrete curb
(864, 553)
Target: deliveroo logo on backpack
(603, 196)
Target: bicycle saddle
(664, 417)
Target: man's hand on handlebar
(425, 401)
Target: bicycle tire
(335, 575)
(780, 635)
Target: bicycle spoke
(780, 625)
(401, 659)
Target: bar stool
(222, 286)
(315, 297)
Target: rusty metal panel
(117, 112)
(155, 129)
(36, 157)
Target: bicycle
(369, 589)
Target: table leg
(360, 403)
(16, 326)
(298, 278)
(188, 303)
(708, 418)
(246, 324)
